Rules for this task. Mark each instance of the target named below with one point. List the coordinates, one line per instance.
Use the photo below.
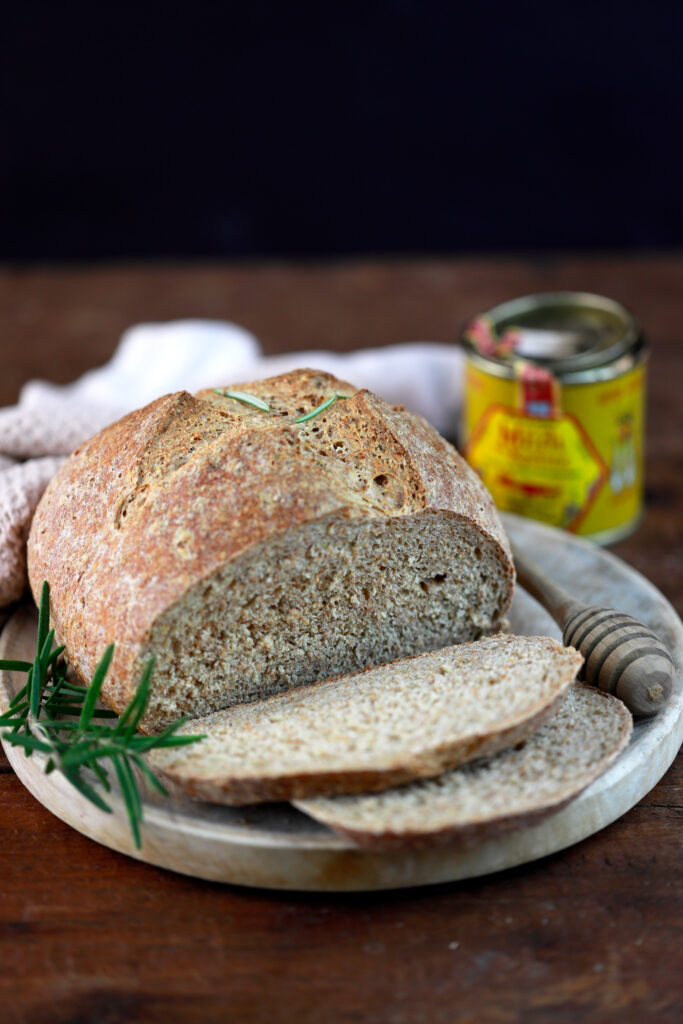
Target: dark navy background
(314, 129)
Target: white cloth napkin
(50, 420)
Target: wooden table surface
(589, 934)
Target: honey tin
(554, 411)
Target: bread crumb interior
(333, 596)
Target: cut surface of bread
(252, 550)
(374, 729)
(319, 601)
(477, 801)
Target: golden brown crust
(462, 836)
(170, 493)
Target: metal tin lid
(575, 335)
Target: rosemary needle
(319, 408)
(242, 396)
(82, 743)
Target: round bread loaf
(250, 550)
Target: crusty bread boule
(251, 553)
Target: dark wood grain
(590, 934)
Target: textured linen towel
(50, 420)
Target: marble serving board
(275, 846)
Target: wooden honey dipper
(621, 655)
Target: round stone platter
(275, 846)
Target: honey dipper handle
(548, 593)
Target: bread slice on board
(378, 728)
(255, 547)
(477, 801)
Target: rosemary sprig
(80, 743)
(319, 408)
(258, 403)
(242, 396)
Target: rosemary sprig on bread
(242, 396)
(62, 720)
(319, 408)
(258, 403)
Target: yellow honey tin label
(568, 454)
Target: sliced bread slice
(516, 787)
(364, 732)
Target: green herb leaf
(145, 743)
(14, 666)
(55, 654)
(81, 755)
(130, 718)
(29, 743)
(87, 790)
(130, 794)
(93, 691)
(35, 686)
(61, 683)
(6, 720)
(242, 396)
(60, 708)
(44, 651)
(43, 614)
(319, 408)
(14, 713)
(101, 774)
(55, 690)
(21, 694)
(46, 723)
(22, 724)
(149, 774)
